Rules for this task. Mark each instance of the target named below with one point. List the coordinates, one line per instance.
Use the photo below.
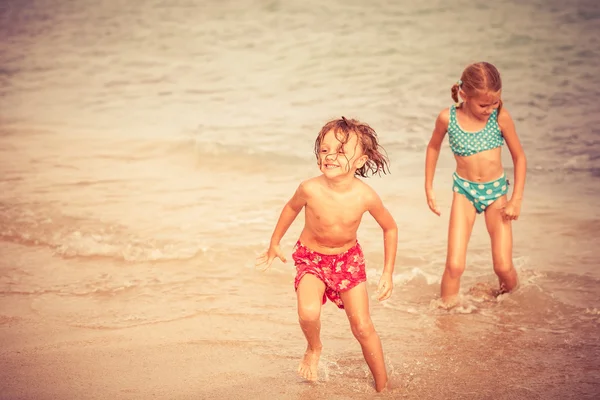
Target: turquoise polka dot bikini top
(468, 143)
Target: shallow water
(147, 149)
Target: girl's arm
(509, 132)
(433, 153)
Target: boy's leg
(462, 218)
(500, 231)
(310, 297)
(356, 304)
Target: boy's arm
(390, 244)
(519, 161)
(390, 232)
(288, 214)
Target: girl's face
(483, 104)
(337, 159)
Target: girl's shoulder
(443, 118)
(445, 113)
(504, 117)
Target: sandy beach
(146, 151)
(187, 360)
(174, 361)
(213, 354)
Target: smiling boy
(329, 260)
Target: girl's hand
(385, 287)
(511, 210)
(266, 259)
(431, 202)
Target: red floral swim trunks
(339, 272)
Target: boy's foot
(309, 364)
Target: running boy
(329, 260)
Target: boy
(329, 260)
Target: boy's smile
(336, 155)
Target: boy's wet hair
(367, 137)
(478, 78)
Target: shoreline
(47, 361)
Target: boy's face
(336, 159)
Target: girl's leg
(356, 304)
(462, 217)
(500, 231)
(310, 296)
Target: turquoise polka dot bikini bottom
(480, 194)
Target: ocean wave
(215, 155)
(280, 148)
(246, 158)
(540, 299)
(571, 166)
(71, 237)
(413, 277)
(76, 291)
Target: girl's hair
(476, 79)
(343, 128)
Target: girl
(477, 128)
(329, 260)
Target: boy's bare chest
(336, 210)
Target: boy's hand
(432, 203)
(385, 287)
(267, 258)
